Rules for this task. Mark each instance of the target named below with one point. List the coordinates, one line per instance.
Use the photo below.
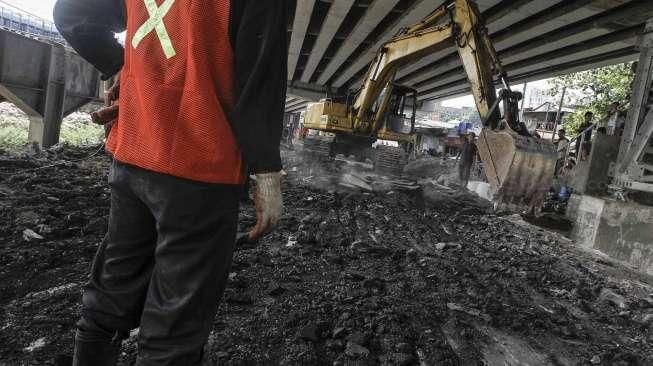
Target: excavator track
(318, 146)
(390, 160)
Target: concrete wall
(623, 231)
(604, 151)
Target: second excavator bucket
(520, 169)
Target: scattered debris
(39, 343)
(29, 235)
(356, 350)
(610, 296)
(351, 276)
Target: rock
(471, 311)
(339, 332)
(440, 246)
(96, 225)
(374, 284)
(356, 350)
(37, 344)
(358, 338)
(595, 360)
(309, 333)
(397, 359)
(239, 298)
(275, 289)
(24, 217)
(63, 360)
(44, 229)
(29, 235)
(648, 319)
(403, 348)
(610, 296)
(644, 319)
(221, 355)
(335, 344)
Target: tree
(594, 91)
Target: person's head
(614, 107)
(471, 137)
(562, 133)
(588, 116)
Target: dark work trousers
(464, 170)
(163, 264)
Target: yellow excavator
(519, 167)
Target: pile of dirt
(427, 277)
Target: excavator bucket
(520, 169)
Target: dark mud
(395, 278)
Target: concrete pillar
(44, 129)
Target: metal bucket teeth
(520, 169)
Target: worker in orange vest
(201, 95)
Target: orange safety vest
(176, 91)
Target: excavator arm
(520, 168)
(456, 22)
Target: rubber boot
(96, 349)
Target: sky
(41, 8)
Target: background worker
(587, 139)
(467, 157)
(201, 95)
(561, 147)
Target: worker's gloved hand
(108, 115)
(268, 203)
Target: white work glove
(268, 203)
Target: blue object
(564, 193)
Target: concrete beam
(310, 91)
(517, 9)
(44, 130)
(336, 15)
(303, 13)
(610, 58)
(570, 34)
(414, 15)
(373, 16)
(595, 45)
(297, 108)
(512, 34)
(295, 103)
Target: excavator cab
(399, 121)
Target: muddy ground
(426, 277)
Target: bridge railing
(24, 23)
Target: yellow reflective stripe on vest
(155, 23)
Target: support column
(44, 130)
(638, 98)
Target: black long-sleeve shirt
(259, 40)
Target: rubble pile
(400, 276)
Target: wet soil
(427, 277)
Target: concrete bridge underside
(45, 80)
(332, 42)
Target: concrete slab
(482, 189)
(623, 231)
